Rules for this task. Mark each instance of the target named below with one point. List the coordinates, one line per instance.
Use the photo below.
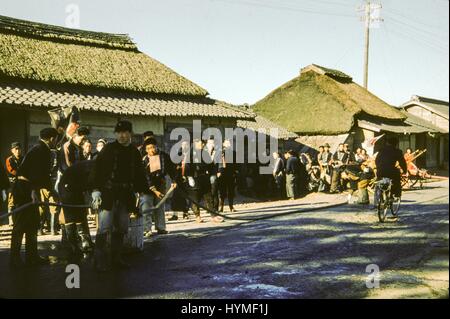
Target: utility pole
(366, 46)
(368, 18)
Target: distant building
(433, 114)
(323, 105)
(105, 75)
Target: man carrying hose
(74, 183)
(32, 176)
(117, 176)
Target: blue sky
(240, 50)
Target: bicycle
(384, 199)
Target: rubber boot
(101, 257)
(73, 243)
(230, 204)
(116, 248)
(85, 238)
(64, 240)
(16, 243)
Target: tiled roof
(38, 95)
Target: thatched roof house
(44, 66)
(325, 105)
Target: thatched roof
(322, 101)
(36, 51)
(263, 125)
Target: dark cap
(15, 144)
(148, 134)
(326, 145)
(123, 126)
(150, 141)
(101, 141)
(48, 133)
(83, 130)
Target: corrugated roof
(419, 122)
(405, 128)
(52, 54)
(38, 95)
(437, 106)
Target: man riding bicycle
(386, 163)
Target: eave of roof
(41, 96)
(263, 125)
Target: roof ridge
(429, 100)
(56, 33)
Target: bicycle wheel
(395, 206)
(382, 206)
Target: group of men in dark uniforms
(120, 181)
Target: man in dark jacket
(117, 175)
(12, 165)
(292, 172)
(158, 166)
(386, 163)
(197, 181)
(227, 176)
(32, 176)
(339, 160)
(278, 175)
(72, 188)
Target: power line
(419, 40)
(416, 29)
(414, 34)
(412, 19)
(286, 8)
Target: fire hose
(159, 204)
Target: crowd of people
(297, 174)
(117, 179)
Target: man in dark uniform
(292, 172)
(32, 176)
(386, 163)
(157, 166)
(227, 176)
(197, 181)
(72, 187)
(338, 162)
(71, 153)
(212, 153)
(117, 175)
(12, 164)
